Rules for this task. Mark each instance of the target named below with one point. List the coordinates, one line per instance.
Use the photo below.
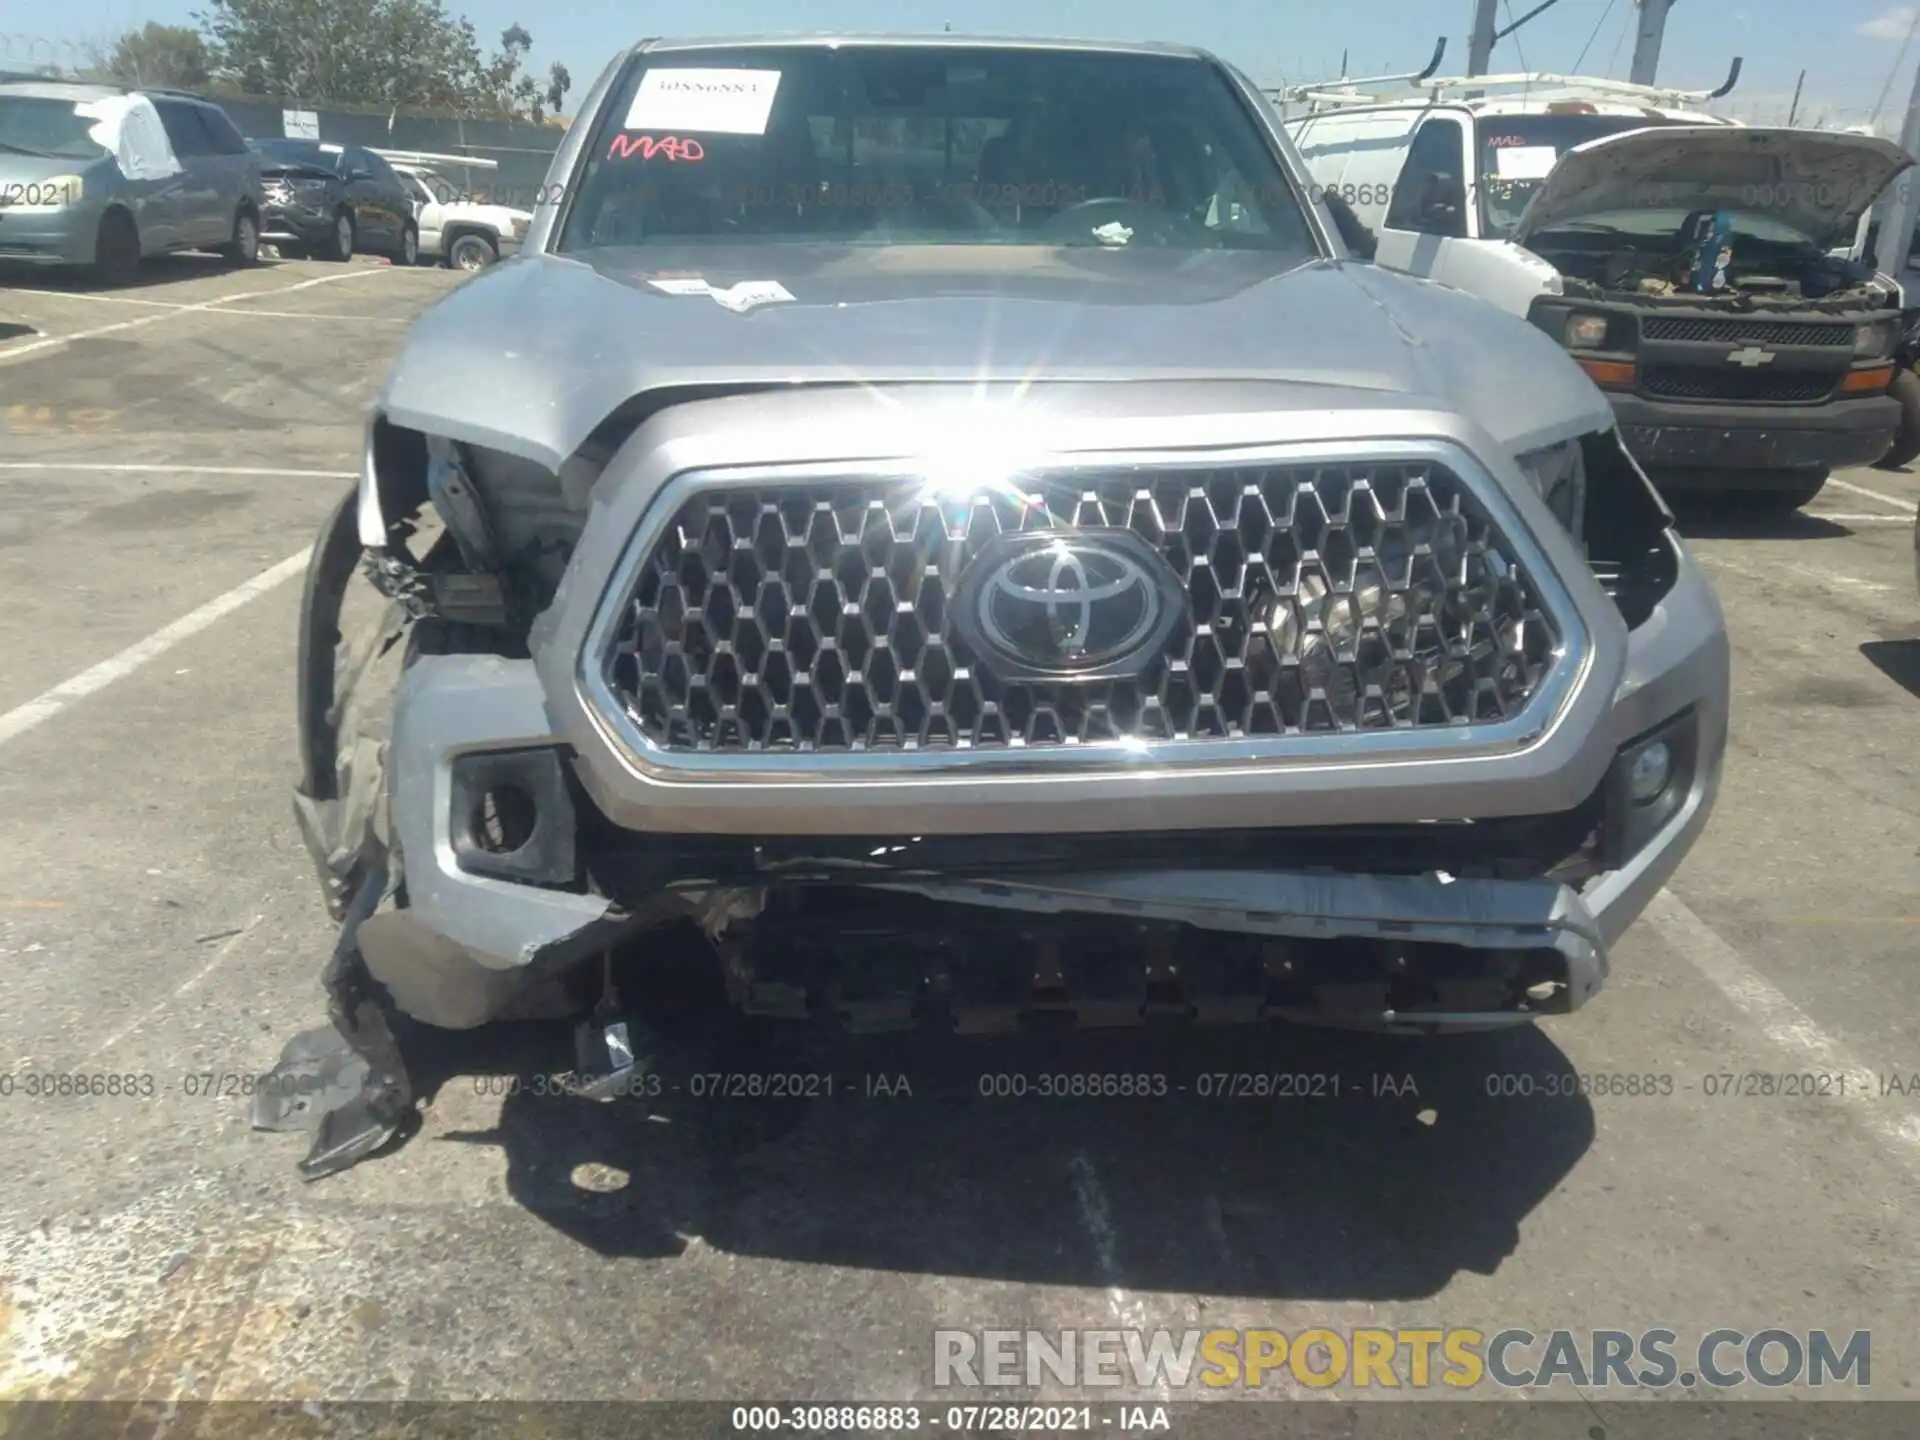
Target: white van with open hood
(1700, 270)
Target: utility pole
(1898, 214)
(1480, 42)
(1794, 109)
(1646, 46)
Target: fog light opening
(1651, 772)
(503, 819)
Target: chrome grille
(1744, 332)
(813, 615)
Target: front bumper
(475, 932)
(295, 224)
(1741, 443)
(60, 237)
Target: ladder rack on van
(1653, 94)
(1344, 92)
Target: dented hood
(1818, 182)
(531, 355)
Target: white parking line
(1098, 1220)
(103, 299)
(1905, 506)
(22, 718)
(1862, 519)
(107, 469)
(1783, 1022)
(301, 315)
(53, 341)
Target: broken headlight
(1875, 341)
(1558, 474)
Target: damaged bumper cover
(484, 936)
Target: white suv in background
(455, 230)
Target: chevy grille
(814, 615)
(1724, 382)
(1745, 332)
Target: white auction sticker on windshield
(1525, 162)
(721, 102)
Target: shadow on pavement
(1743, 517)
(154, 271)
(1395, 1172)
(1898, 660)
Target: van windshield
(931, 145)
(1517, 152)
(46, 128)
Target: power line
(1511, 28)
(1898, 60)
(1626, 24)
(1595, 35)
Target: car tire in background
(116, 248)
(1906, 440)
(409, 245)
(339, 244)
(244, 248)
(471, 251)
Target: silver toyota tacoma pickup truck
(941, 530)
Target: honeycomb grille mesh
(813, 616)
(1745, 332)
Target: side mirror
(1353, 232)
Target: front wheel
(244, 248)
(116, 249)
(472, 252)
(1906, 440)
(339, 245)
(409, 245)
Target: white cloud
(1891, 24)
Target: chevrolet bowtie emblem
(1751, 356)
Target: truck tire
(471, 251)
(1906, 440)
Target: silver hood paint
(530, 356)
(1817, 181)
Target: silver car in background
(100, 176)
(940, 532)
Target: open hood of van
(1819, 182)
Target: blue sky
(1848, 47)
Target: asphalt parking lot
(167, 455)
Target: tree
(391, 53)
(155, 55)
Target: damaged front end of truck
(489, 789)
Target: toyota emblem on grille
(1077, 604)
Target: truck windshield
(39, 126)
(931, 145)
(1517, 151)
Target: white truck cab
(1704, 272)
(456, 229)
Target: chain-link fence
(520, 148)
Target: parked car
(1751, 357)
(455, 230)
(935, 532)
(101, 176)
(335, 201)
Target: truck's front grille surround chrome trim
(1561, 662)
